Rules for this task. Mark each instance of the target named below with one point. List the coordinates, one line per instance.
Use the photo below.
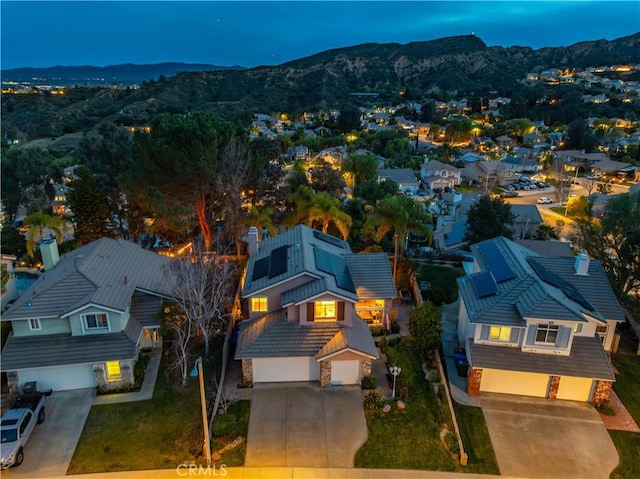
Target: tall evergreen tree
(487, 218)
(91, 217)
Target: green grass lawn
(444, 289)
(627, 387)
(235, 456)
(156, 434)
(476, 440)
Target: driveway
(52, 443)
(304, 425)
(538, 438)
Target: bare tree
(178, 332)
(204, 291)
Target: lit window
(500, 333)
(577, 328)
(547, 333)
(113, 370)
(325, 310)
(34, 325)
(96, 321)
(259, 304)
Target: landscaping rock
(400, 405)
(386, 408)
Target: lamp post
(394, 370)
(197, 371)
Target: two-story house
(84, 321)
(535, 325)
(310, 301)
(435, 174)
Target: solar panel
(323, 260)
(328, 239)
(278, 263)
(260, 269)
(496, 261)
(485, 284)
(337, 267)
(568, 289)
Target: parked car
(16, 426)
(408, 192)
(543, 200)
(421, 193)
(509, 194)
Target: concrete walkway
(146, 390)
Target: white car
(543, 200)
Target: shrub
(373, 400)
(368, 382)
(451, 442)
(606, 409)
(395, 327)
(377, 331)
(224, 424)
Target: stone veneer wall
(247, 371)
(553, 387)
(474, 381)
(602, 392)
(127, 378)
(325, 373)
(13, 383)
(365, 369)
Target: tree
(11, 241)
(91, 215)
(604, 187)
(326, 178)
(372, 191)
(319, 209)
(397, 215)
(349, 119)
(39, 221)
(426, 329)
(545, 233)
(261, 218)
(615, 241)
(487, 218)
(362, 167)
(177, 331)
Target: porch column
(474, 381)
(553, 388)
(602, 392)
(325, 373)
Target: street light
(394, 370)
(197, 371)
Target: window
(96, 321)
(34, 324)
(500, 333)
(577, 328)
(602, 332)
(325, 311)
(547, 334)
(25, 422)
(259, 305)
(371, 310)
(113, 370)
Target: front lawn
(444, 289)
(157, 434)
(627, 387)
(238, 428)
(476, 440)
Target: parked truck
(16, 426)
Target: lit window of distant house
(258, 305)
(547, 334)
(500, 333)
(325, 311)
(96, 321)
(113, 370)
(34, 324)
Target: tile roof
(587, 360)
(547, 248)
(372, 276)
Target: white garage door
(277, 370)
(345, 372)
(574, 389)
(60, 378)
(512, 382)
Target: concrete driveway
(52, 443)
(538, 438)
(303, 425)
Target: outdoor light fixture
(197, 371)
(394, 370)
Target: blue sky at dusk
(40, 34)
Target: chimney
(582, 264)
(49, 251)
(253, 241)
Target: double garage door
(59, 378)
(273, 370)
(536, 385)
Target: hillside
(456, 66)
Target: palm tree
(39, 221)
(261, 219)
(399, 215)
(319, 209)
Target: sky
(253, 33)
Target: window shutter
(531, 335)
(340, 310)
(563, 337)
(310, 311)
(514, 335)
(484, 332)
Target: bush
(373, 400)
(368, 382)
(606, 409)
(395, 327)
(224, 424)
(377, 331)
(451, 442)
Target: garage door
(574, 389)
(268, 370)
(511, 382)
(345, 372)
(60, 378)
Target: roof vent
(582, 264)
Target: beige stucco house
(536, 325)
(85, 320)
(309, 302)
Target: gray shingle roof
(105, 272)
(371, 274)
(547, 248)
(63, 349)
(587, 360)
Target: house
(435, 174)
(491, 173)
(536, 325)
(504, 141)
(310, 302)
(526, 220)
(83, 322)
(404, 177)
